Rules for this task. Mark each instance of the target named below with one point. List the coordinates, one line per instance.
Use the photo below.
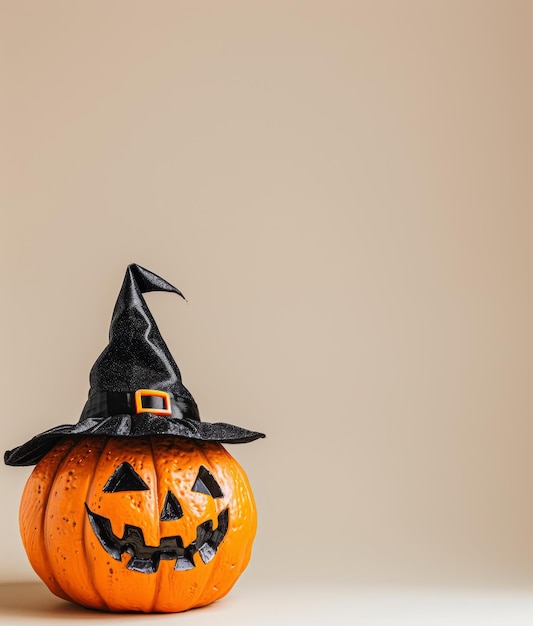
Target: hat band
(109, 403)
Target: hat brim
(143, 425)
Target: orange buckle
(144, 393)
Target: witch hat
(135, 384)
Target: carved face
(146, 558)
(148, 524)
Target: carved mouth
(146, 559)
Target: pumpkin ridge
(208, 594)
(42, 529)
(208, 579)
(155, 488)
(240, 479)
(46, 518)
(90, 573)
(128, 592)
(199, 598)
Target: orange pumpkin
(153, 524)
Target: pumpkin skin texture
(82, 522)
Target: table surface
(31, 603)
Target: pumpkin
(150, 523)
(138, 506)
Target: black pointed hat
(135, 384)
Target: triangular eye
(125, 478)
(205, 483)
(171, 508)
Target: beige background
(342, 190)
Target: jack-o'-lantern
(138, 507)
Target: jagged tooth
(222, 529)
(204, 532)
(145, 566)
(223, 520)
(133, 532)
(185, 562)
(207, 552)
